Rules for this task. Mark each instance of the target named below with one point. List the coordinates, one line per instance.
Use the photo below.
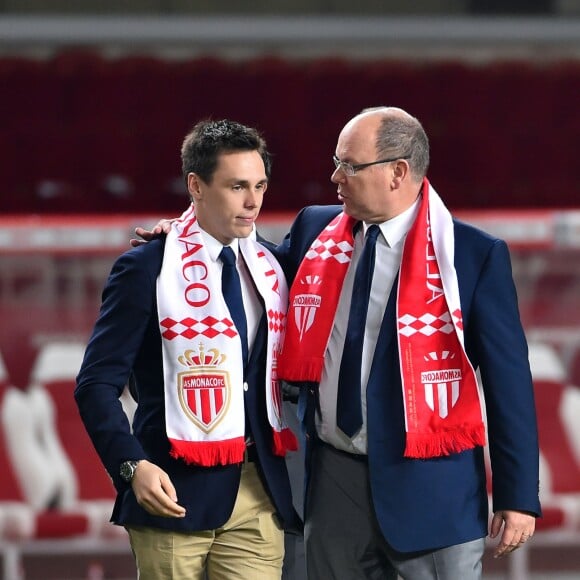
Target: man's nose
(252, 198)
(337, 175)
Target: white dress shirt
(389, 250)
(252, 303)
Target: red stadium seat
(558, 446)
(55, 369)
(21, 517)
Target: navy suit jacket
(432, 503)
(125, 340)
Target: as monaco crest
(204, 389)
(305, 306)
(441, 385)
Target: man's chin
(349, 211)
(244, 232)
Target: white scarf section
(202, 354)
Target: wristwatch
(127, 470)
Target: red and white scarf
(443, 411)
(202, 354)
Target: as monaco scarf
(441, 399)
(202, 354)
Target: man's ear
(401, 171)
(194, 186)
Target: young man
(196, 320)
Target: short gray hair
(401, 134)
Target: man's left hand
(518, 528)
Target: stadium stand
(55, 497)
(53, 378)
(31, 482)
(88, 133)
(558, 408)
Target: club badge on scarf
(202, 355)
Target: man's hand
(163, 226)
(155, 492)
(518, 529)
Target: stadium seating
(90, 134)
(558, 408)
(31, 483)
(53, 378)
(55, 497)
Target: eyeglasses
(350, 169)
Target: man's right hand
(163, 226)
(155, 492)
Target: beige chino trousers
(249, 546)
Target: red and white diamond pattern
(458, 316)
(191, 327)
(340, 251)
(426, 324)
(276, 320)
(210, 327)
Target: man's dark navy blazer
(432, 503)
(126, 340)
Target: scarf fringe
(284, 441)
(209, 453)
(428, 445)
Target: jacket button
(245, 386)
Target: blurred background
(95, 98)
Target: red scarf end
(209, 453)
(284, 441)
(428, 445)
(301, 368)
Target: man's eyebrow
(245, 182)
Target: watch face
(127, 470)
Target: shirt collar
(395, 229)
(214, 247)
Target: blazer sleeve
(128, 302)
(502, 354)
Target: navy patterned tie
(232, 292)
(348, 407)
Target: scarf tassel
(428, 445)
(284, 441)
(209, 453)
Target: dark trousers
(343, 539)
(294, 559)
